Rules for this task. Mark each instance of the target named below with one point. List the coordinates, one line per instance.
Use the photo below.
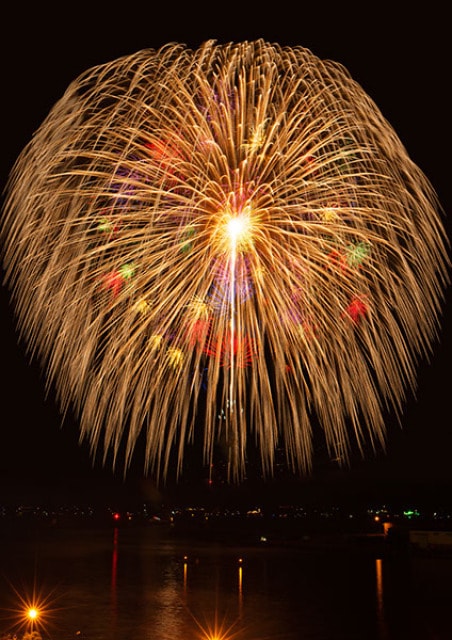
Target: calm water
(125, 584)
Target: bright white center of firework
(32, 613)
(238, 227)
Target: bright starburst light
(228, 244)
(32, 614)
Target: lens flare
(234, 230)
(32, 613)
(217, 630)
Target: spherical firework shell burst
(234, 230)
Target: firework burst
(234, 230)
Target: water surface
(122, 584)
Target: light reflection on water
(124, 584)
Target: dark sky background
(403, 62)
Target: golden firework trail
(230, 241)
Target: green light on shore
(410, 513)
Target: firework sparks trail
(234, 229)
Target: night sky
(403, 62)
